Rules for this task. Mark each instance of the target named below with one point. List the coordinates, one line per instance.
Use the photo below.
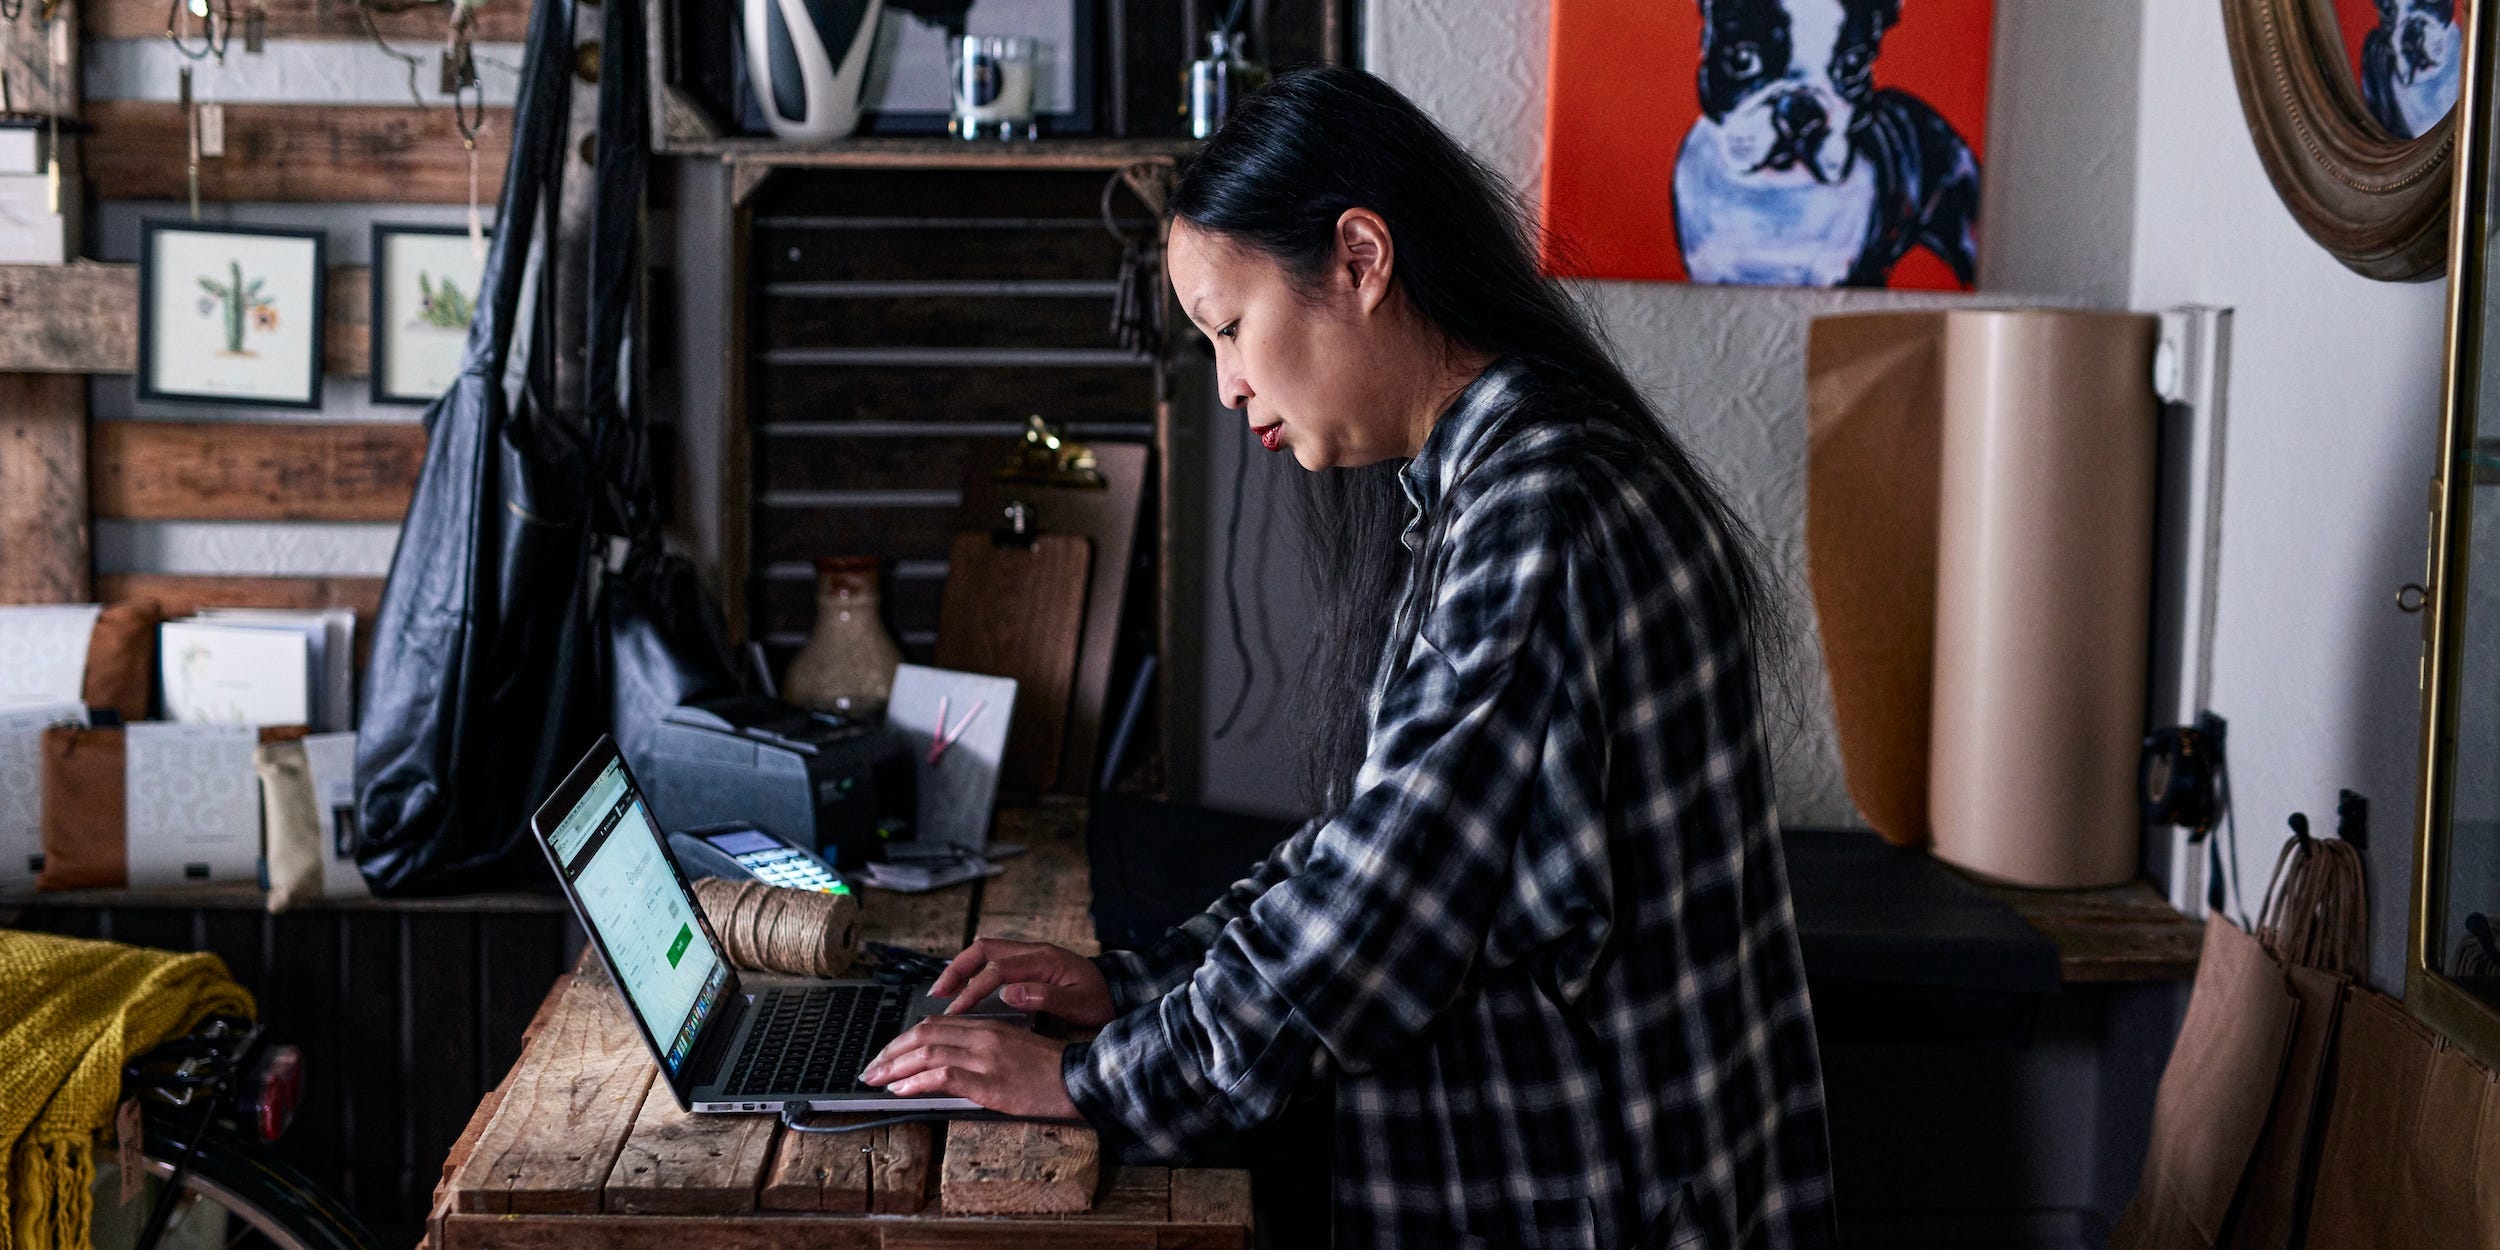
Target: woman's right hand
(1029, 976)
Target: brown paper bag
(121, 657)
(2412, 1139)
(2275, 1199)
(85, 804)
(2215, 1096)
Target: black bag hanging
(511, 622)
(665, 643)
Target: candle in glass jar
(993, 85)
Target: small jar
(992, 86)
(847, 665)
(1219, 80)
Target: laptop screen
(612, 855)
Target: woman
(1541, 945)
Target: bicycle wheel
(235, 1195)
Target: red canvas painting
(2408, 57)
(1767, 142)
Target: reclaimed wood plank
(43, 488)
(226, 471)
(917, 153)
(2118, 933)
(1033, 1235)
(83, 317)
(317, 19)
(181, 594)
(1210, 1196)
(566, 1109)
(1043, 895)
(938, 922)
(821, 1172)
(466, 1145)
(1018, 1168)
(676, 1162)
(461, 1231)
(885, 1170)
(466, 1231)
(333, 153)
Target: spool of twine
(770, 928)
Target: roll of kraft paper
(2043, 584)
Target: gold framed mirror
(2452, 960)
(2347, 101)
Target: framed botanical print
(230, 314)
(425, 291)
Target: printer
(842, 788)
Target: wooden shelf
(937, 152)
(2119, 933)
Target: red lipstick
(1268, 434)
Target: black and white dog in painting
(1800, 172)
(2410, 64)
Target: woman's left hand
(1003, 1067)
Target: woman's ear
(1365, 257)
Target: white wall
(2334, 394)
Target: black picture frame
(152, 274)
(1082, 117)
(378, 371)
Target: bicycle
(210, 1103)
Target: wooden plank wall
(406, 1015)
(902, 327)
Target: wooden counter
(578, 1147)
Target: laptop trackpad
(990, 1008)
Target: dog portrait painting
(1797, 143)
(2409, 58)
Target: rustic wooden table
(578, 1148)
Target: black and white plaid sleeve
(1140, 977)
(1487, 729)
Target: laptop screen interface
(611, 852)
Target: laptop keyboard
(814, 1041)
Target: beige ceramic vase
(847, 665)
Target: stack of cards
(255, 666)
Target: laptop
(723, 1041)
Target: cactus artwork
(441, 305)
(241, 303)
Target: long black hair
(1286, 165)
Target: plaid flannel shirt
(1545, 951)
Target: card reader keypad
(790, 868)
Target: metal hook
(217, 28)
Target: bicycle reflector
(270, 1094)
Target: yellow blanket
(71, 1013)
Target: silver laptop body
(723, 1042)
